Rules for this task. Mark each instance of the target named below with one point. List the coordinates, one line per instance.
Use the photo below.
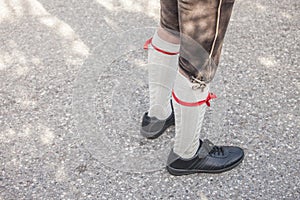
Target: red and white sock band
(149, 42)
(192, 104)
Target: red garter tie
(146, 47)
(191, 104)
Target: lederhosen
(202, 25)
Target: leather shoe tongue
(205, 148)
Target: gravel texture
(73, 88)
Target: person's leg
(162, 68)
(188, 119)
(203, 25)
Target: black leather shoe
(153, 128)
(208, 159)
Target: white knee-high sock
(188, 120)
(162, 69)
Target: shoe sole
(180, 172)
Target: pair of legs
(183, 58)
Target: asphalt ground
(73, 88)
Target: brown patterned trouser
(202, 25)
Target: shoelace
(207, 147)
(217, 150)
